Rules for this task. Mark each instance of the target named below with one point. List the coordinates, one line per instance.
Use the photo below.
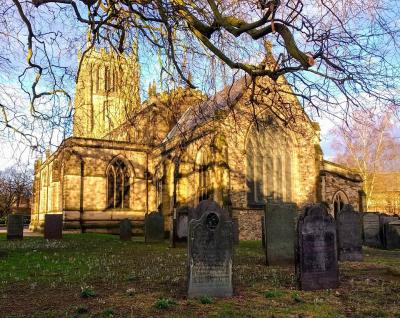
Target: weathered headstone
(210, 249)
(392, 235)
(203, 207)
(280, 232)
(371, 233)
(316, 251)
(125, 230)
(178, 233)
(15, 227)
(154, 227)
(349, 233)
(53, 224)
(383, 220)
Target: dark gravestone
(53, 224)
(210, 248)
(15, 227)
(263, 231)
(204, 207)
(125, 230)
(383, 220)
(349, 234)
(154, 227)
(371, 233)
(280, 233)
(392, 235)
(316, 251)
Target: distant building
(386, 193)
(127, 158)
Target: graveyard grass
(94, 275)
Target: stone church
(246, 144)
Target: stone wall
(249, 223)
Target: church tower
(107, 91)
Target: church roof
(207, 110)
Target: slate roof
(204, 111)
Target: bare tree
(366, 143)
(15, 187)
(332, 53)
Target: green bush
(87, 292)
(108, 312)
(273, 294)
(164, 303)
(206, 300)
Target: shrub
(108, 312)
(164, 303)
(87, 292)
(206, 300)
(273, 294)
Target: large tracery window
(205, 188)
(118, 185)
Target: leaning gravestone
(280, 232)
(392, 235)
(371, 233)
(15, 227)
(383, 220)
(316, 252)
(53, 224)
(154, 227)
(125, 230)
(349, 233)
(210, 249)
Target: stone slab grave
(210, 251)
(125, 230)
(280, 232)
(383, 220)
(392, 235)
(371, 233)
(180, 225)
(53, 225)
(15, 227)
(154, 227)
(316, 249)
(349, 234)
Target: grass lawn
(94, 275)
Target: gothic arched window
(118, 185)
(339, 200)
(205, 188)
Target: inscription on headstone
(210, 251)
(392, 235)
(15, 227)
(371, 233)
(316, 250)
(349, 232)
(154, 227)
(125, 230)
(53, 224)
(280, 232)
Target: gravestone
(154, 227)
(125, 230)
(280, 232)
(349, 234)
(210, 249)
(53, 224)
(316, 250)
(383, 220)
(371, 233)
(392, 235)
(15, 227)
(178, 234)
(263, 231)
